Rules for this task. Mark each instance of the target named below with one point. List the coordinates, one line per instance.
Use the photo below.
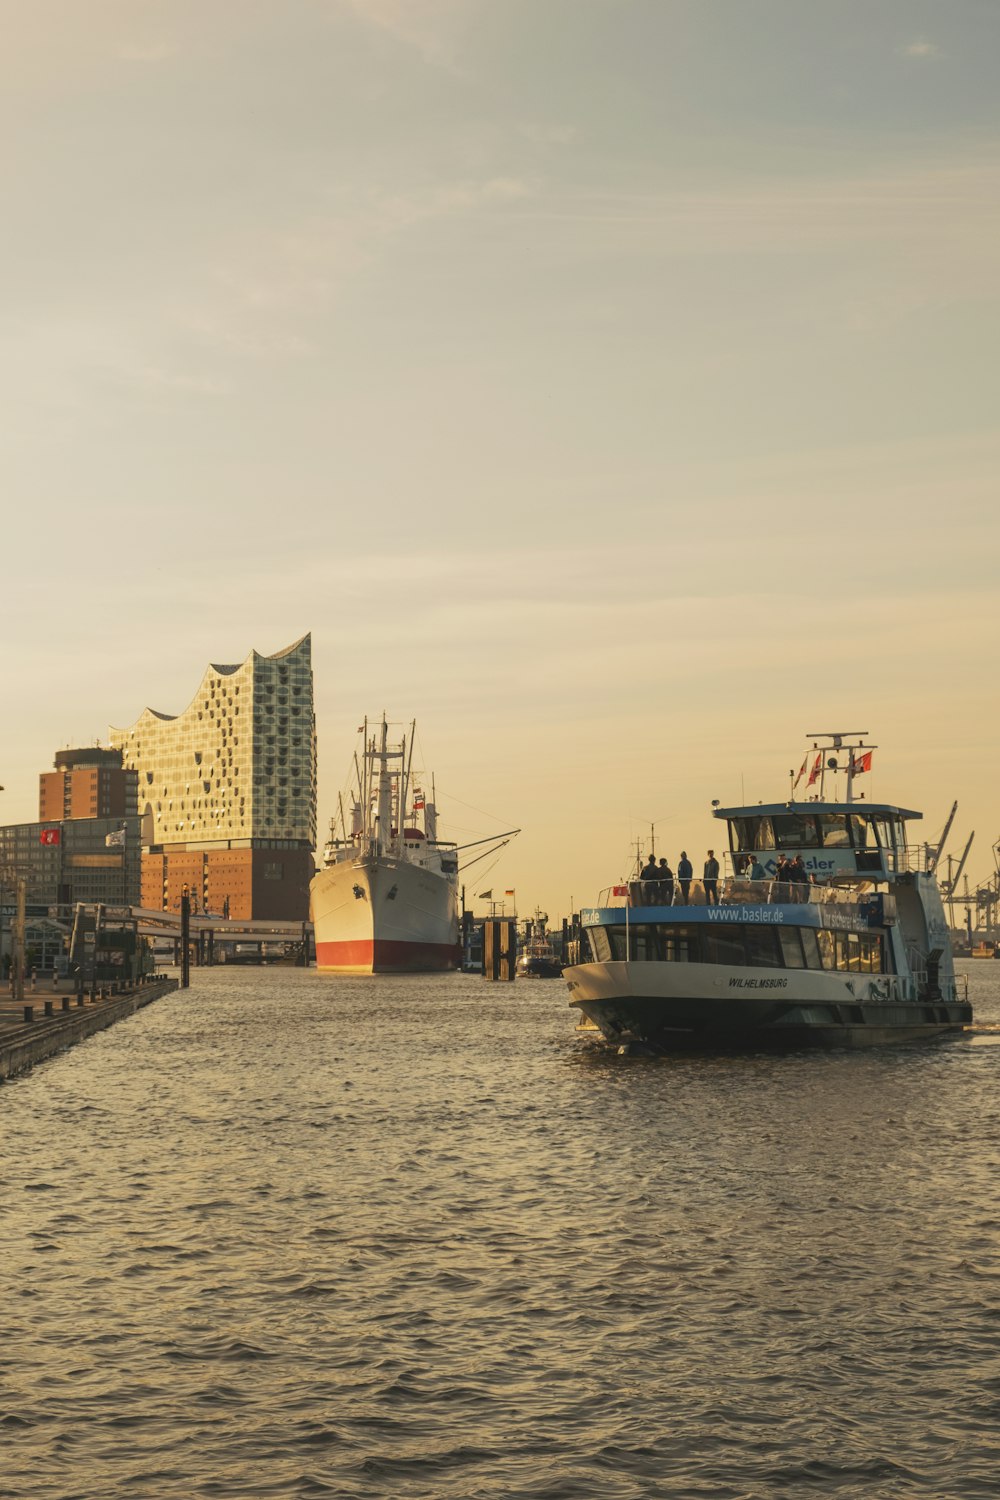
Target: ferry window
(795, 831)
(643, 944)
(884, 831)
(810, 948)
(753, 833)
(861, 832)
(601, 944)
(871, 953)
(723, 945)
(849, 952)
(762, 947)
(827, 948)
(621, 949)
(791, 947)
(834, 829)
(676, 946)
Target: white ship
(387, 899)
(851, 949)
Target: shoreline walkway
(59, 1017)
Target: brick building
(89, 783)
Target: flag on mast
(814, 773)
(861, 763)
(802, 772)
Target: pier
(51, 1018)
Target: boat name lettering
(758, 984)
(813, 864)
(745, 914)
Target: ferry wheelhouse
(853, 952)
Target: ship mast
(850, 741)
(384, 813)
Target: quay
(50, 1019)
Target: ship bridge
(835, 839)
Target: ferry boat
(537, 958)
(853, 953)
(387, 898)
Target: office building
(88, 783)
(74, 859)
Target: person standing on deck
(711, 879)
(799, 876)
(685, 871)
(649, 875)
(666, 877)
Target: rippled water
(294, 1235)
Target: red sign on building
(50, 836)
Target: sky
(610, 385)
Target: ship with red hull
(386, 901)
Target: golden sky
(609, 384)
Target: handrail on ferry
(733, 890)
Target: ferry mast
(844, 741)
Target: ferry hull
(383, 916)
(657, 1018)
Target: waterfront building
(226, 790)
(66, 860)
(89, 783)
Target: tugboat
(537, 958)
(827, 929)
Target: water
(292, 1235)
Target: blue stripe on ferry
(765, 914)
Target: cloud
(429, 27)
(920, 47)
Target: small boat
(853, 951)
(537, 958)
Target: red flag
(861, 763)
(802, 772)
(49, 836)
(619, 890)
(814, 773)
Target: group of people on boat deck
(659, 881)
(661, 887)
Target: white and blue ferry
(853, 952)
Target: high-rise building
(88, 783)
(227, 790)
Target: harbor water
(289, 1234)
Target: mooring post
(185, 939)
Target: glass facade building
(227, 789)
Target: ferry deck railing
(732, 890)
